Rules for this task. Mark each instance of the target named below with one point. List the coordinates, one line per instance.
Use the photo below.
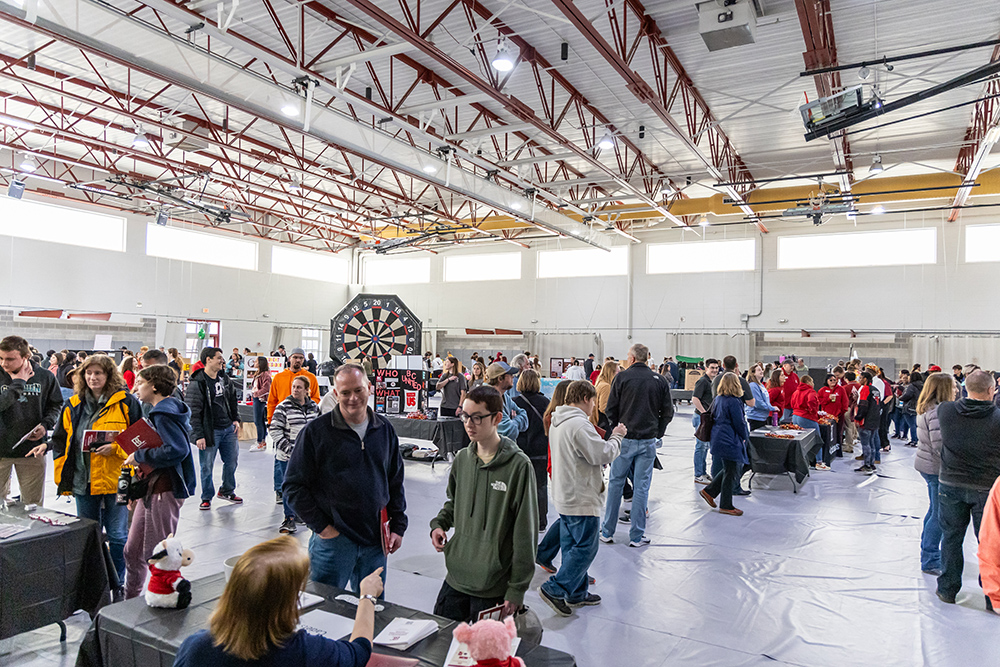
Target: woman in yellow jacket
(102, 402)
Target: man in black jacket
(344, 479)
(970, 464)
(640, 399)
(30, 401)
(214, 423)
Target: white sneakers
(258, 447)
(703, 479)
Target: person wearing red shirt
(805, 414)
(775, 394)
(788, 388)
(834, 402)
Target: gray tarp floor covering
(830, 576)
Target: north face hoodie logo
(499, 486)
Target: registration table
(449, 436)
(49, 572)
(781, 456)
(131, 634)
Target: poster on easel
(274, 364)
(400, 391)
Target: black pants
(756, 423)
(461, 607)
(827, 436)
(723, 484)
(955, 507)
(883, 427)
(540, 466)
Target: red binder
(140, 435)
(383, 517)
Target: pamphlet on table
(402, 633)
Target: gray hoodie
(578, 453)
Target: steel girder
(979, 139)
(816, 21)
(379, 147)
(722, 162)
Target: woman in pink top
(259, 389)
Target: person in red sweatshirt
(788, 388)
(775, 394)
(834, 402)
(805, 414)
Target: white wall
(37, 274)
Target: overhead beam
(723, 163)
(447, 103)
(980, 137)
(325, 66)
(816, 22)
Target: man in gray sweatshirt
(578, 493)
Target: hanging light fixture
(607, 142)
(876, 167)
(503, 61)
(704, 220)
(139, 140)
(28, 164)
(290, 108)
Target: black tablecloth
(449, 436)
(131, 634)
(681, 394)
(48, 572)
(421, 429)
(778, 456)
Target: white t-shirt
(438, 364)
(575, 373)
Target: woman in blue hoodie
(728, 442)
(173, 477)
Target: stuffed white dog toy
(167, 588)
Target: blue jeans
(339, 561)
(279, 479)
(114, 518)
(228, 448)
(260, 418)
(955, 507)
(786, 416)
(700, 449)
(641, 453)
(549, 547)
(911, 424)
(869, 445)
(930, 538)
(578, 540)
(900, 424)
(814, 455)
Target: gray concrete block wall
(76, 335)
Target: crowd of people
(339, 471)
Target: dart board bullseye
(374, 326)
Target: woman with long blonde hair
(256, 620)
(938, 388)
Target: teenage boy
(868, 419)
(702, 399)
(290, 417)
(578, 494)
(30, 403)
(493, 508)
(214, 425)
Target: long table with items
(131, 634)
(784, 455)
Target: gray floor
(830, 576)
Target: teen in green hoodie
(492, 506)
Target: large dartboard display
(374, 326)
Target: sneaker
(231, 497)
(732, 512)
(591, 581)
(606, 540)
(558, 605)
(205, 505)
(872, 470)
(641, 542)
(944, 598)
(278, 500)
(859, 457)
(822, 466)
(592, 600)
(287, 526)
(548, 567)
(259, 447)
(703, 479)
(933, 571)
(861, 469)
(887, 448)
(708, 499)
(741, 492)
(625, 518)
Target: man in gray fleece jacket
(578, 492)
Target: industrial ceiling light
(28, 164)
(140, 141)
(864, 73)
(704, 220)
(607, 142)
(503, 61)
(878, 210)
(876, 167)
(430, 169)
(290, 109)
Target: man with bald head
(970, 464)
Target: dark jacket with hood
(970, 443)
(172, 421)
(869, 408)
(23, 406)
(493, 508)
(641, 400)
(533, 440)
(199, 399)
(334, 478)
(910, 395)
